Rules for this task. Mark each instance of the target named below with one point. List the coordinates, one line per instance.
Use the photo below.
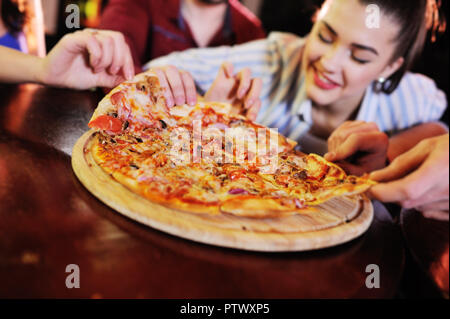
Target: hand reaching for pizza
(240, 90)
(358, 147)
(87, 59)
(178, 85)
(419, 178)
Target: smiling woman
(343, 70)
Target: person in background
(342, 71)
(154, 28)
(12, 21)
(80, 60)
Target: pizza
(205, 159)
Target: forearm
(18, 67)
(404, 141)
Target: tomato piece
(237, 174)
(282, 179)
(107, 123)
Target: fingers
(435, 198)
(249, 90)
(95, 51)
(228, 69)
(224, 87)
(108, 50)
(253, 95)
(179, 87)
(372, 142)
(254, 110)
(437, 205)
(352, 169)
(400, 166)
(240, 90)
(176, 85)
(346, 129)
(244, 78)
(343, 132)
(170, 101)
(122, 58)
(402, 190)
(441, 215)
(128, 68)
(107, 46)
(118, 58)
(426, 185)
(189, 88)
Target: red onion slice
(237, 191)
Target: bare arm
(80, 60)
(18, 67)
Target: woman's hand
(358, 147)
(418, 178)
(86, 59)
(178, 85)
(240, 90)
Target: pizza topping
(125, 125)
(299, 203)
(236, 122)
(301, 175)
(283, 179)
(140, 149)
(134, 166)
(142, 86)
(237, 191)
(163, 124)
(240, 173)
(106, 123)
(220, 126)
(117, 97)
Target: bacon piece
(118, 100)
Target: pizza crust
(256, 208)
(106, 107)
(114, 193)
(248, 207)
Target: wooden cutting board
(331, 223)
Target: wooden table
(48, 220)
(428, 242)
